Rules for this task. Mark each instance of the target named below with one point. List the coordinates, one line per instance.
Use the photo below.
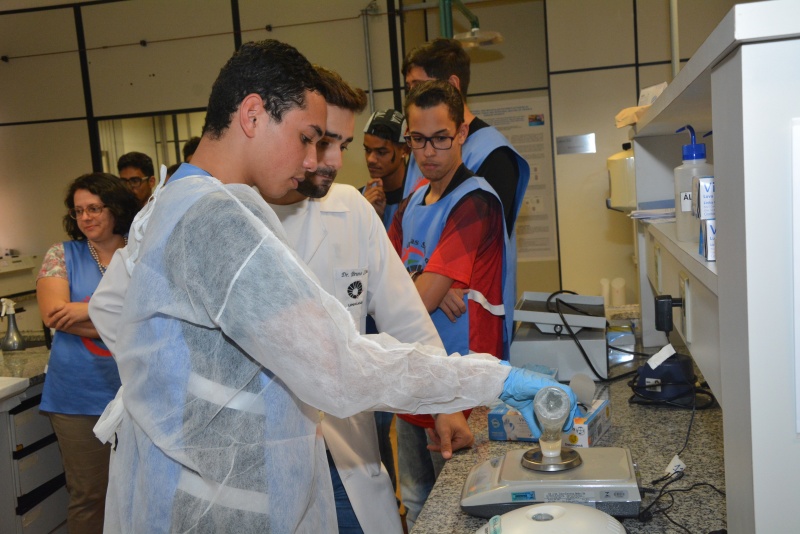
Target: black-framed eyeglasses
(93, 210)
(134, 182)
(439, 142)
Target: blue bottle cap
(694, 150)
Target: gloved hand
(522, 385)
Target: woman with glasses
(82, 376)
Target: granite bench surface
(653, 435)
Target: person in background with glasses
(450, 234)
(136, 171)
(82, 376)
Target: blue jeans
(418, 467)
(383, 422)
(345, 515)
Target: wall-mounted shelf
(743, 83)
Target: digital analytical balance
(604, 478)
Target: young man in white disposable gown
(228, 347)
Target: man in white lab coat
(335, 230)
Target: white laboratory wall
(595, 241)
(695, 22)
(177, 67)
(587, 34)
(38, 161)
(45, 87)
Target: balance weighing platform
(606, 479)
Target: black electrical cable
(647, 515)
(555, 307)
(573, 336)
(548, 302)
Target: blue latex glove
(522, 385)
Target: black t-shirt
(500, 169)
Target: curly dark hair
(112, 192)
(274, 70)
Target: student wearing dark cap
(386, 152)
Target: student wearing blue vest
(486, 152)
(451, 237)
(82, 376)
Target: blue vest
(474, 151)
(422, 228)
(82, 377)
(388, 215)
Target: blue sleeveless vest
(422, 228)
(82, 377)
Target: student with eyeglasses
(82, 377)
(136, 171)
(450, 234)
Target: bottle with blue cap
(694, 164)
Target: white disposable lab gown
(343, 241)
(225, 343)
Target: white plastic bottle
(694, 164)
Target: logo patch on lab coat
(351, 285)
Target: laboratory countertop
(654, 434)
(29, 363)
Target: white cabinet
(744, 83)
(33, 498)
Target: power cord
(648, 513)
(554, 305)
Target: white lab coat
(344, 242)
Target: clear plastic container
(694, 164)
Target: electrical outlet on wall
(686, 307)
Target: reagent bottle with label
(694, 164)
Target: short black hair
(275, 71)
(440, 59)
(434, 92)
(190, 147)
(112, 192)
(136, 160)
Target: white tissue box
(590, 427)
